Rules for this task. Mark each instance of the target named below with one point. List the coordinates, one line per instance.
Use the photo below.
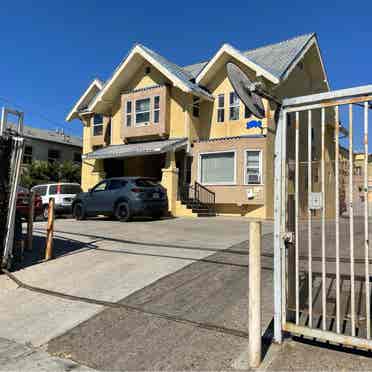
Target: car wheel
(122, 212)
(45, 212)
(78, 212)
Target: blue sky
(51, 50)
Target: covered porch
(165, 161)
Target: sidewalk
(19, 357)
(295, 355)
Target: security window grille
(128, 114)
(221, 108)
(196, 107)
(53, 155)
(142, 112)
(97, 125)
(234, 106)
(27, 156)
(156, 109)
(253, 167)
(217, 168)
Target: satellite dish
(245, 90)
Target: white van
(63, 194)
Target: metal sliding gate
(322, 216)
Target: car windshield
(145, 182)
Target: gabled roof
(274, 58)
(277, 58)
(274, 62)
(174, 73)
(223, 55)
(83, 102)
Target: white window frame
(95, 125)
(221, 108)
(234, 106)
(260, 167)
(233, 183)
(128, 114)
(146, 123)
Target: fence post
(49, 242)
(30, 220)
(254, 295)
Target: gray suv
(123, 198)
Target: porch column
(97, 173)
(170, 180)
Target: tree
(38, 172)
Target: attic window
(196, 107)
(97, 125)
(147, 70)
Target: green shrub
(38, 172)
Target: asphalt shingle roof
(274, 58)
(176, 70)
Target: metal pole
(324, 295)
(50, 228)
(278, 241)
(297, 181)
(351, 213)
(309, 186)
(366, 232)
(337, 217)
(30, 222)
(254, 293)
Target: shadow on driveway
(61, 247)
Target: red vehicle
(23, 206)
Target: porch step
(183, 211)
(203, 212)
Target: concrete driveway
(105, 260)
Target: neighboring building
(184, 124)
(50, 146)
(358, 183)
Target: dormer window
(97, 125)
(142, 112)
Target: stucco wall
(234, 195)
(304, 79)
(40, 149)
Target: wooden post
(30, 221)
(254, 295)
(49, 241)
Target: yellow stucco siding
(116, 123)
(306, 78)
(211, 128)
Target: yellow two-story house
(186, 127)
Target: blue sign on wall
(254, 124)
